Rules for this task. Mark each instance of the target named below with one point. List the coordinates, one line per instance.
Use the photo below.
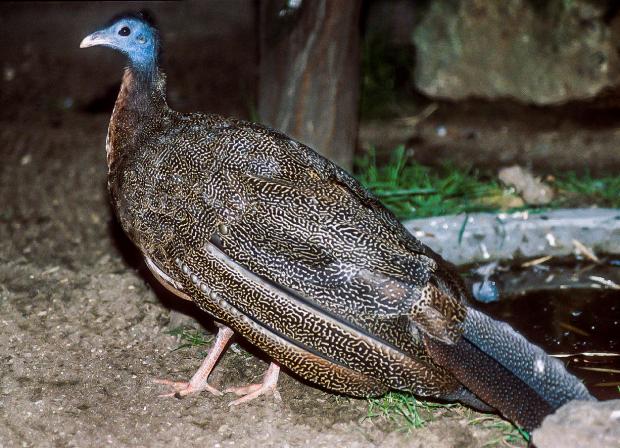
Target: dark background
(212, 57)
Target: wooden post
(310, 73)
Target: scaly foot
(184, 388)
(252, 391)
(199, 382)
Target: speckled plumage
(291, 252)
(334, 273)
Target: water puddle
(573, 316)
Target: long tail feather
(506, 371)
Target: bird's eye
(124, 31)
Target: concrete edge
(486, 237)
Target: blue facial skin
(132, 37)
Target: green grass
(404, 410)
(190, 337)
(407, 413)
(412, 190)
(602, 191)
(507, 433)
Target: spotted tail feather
(506, 371)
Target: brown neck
(141, 94)
(139, 101)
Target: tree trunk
(309, 73)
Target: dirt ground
(83, 330)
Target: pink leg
(198, 382)
(252, 391)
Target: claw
(252, 391)
(184, 388)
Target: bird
(286, 249)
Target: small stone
(532, 190)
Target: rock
(537, 52)
(581, 424)
(532, 190)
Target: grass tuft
(408, 413)
(412, 190)
(508, 434)
(602, 191)
(190, 337)
(405, 410)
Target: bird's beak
(96, 38)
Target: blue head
(131, 34)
